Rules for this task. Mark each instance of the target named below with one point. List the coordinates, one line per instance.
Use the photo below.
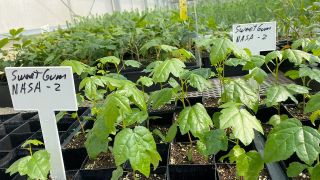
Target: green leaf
(315, 172)
(215, 141)
(182, 54)
(257, 74)
(132, 63)
(241, 122)
(239, 91)
(300, 43)
(199, 82)
(276, 119)
(116, 174)
(297, 89)
(295, 169)
(3, 42)
(152, 43)
(159, 134)
(138, 147)
(313, 73)
(34, 142)
(289, 137)
(15, 32)
(195, 119)
(314, 116)
(151, 66)
(136, 116)
(273, 55)
(293, 74)
(167, 48)
(116, 107)
(160, 97)
(222, 48)
(313, 104)
(171, 133)
(204, 72)
(36, 166)
(90, 85)
(234, 154)
(135, 95)
(77, 66)
(19, 166)
(60, 115)
(254, 61)
(235, 62)
(296, 56)
(173, 83)
(110, 59)
(170, 66)
(97, 139)
(249, 165)
(39, 165)
(277, 94)
(145, 81)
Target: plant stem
(277, 71)
(30, 151)
(81, 125)
(304, 95)
(191, 148)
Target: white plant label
(45, 89)
(256, 36)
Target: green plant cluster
(138, 35)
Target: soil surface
(163, 129)
(211, 102)
(302, 176)
(129, 176)
(103, 161)
(179, 155)
(77, 141)
(297, 112)
(169, 107)
(229, 172)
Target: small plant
(35, 166)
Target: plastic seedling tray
(11, 141)
(28, 127)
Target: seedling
(35, 166)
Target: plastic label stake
(183, 10)
(45, 89)
(255, 36)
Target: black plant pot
(99, 174)
(65, 123)
(305, 122)
(74, 130)
(5, 95)
(73, 158)
(191, 172)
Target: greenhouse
(160, 89)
